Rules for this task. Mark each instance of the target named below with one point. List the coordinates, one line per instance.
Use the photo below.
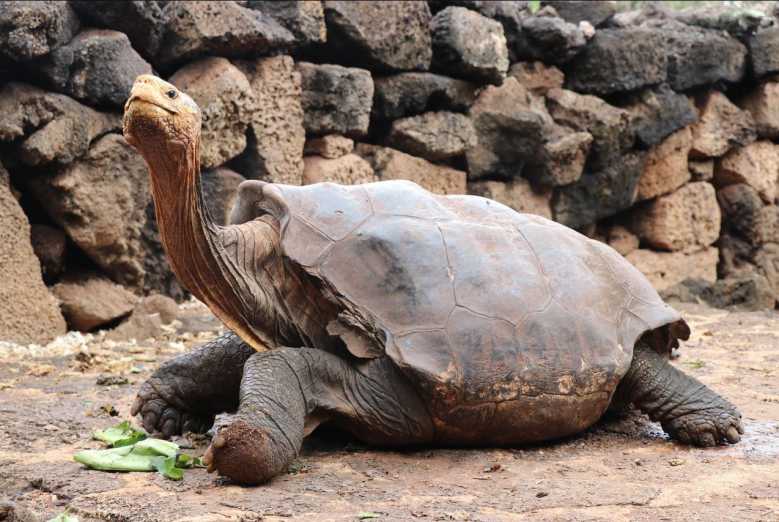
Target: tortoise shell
(478, 304)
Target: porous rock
(756, 164)
(335, 99)
(407, 94)
(608, 125)
(763, 104)
(764, 52)
(685, 220)
(332, 146)
(518, 194)
(274, 150)
(698, 57)
(143, 21)
(594, 11)
(561, 158)
(220, 190)
(226, 102)
(666, 167)
(31, 29)
(618, 60)
(549, 39)
(433, 135)
(388, 163)
(720, 127)
(657, 112)
(388, 35)
(28, 312)
(537, 77)
(621, 239)
(98, 67)
(49, 128)
(509, 13)
(745, 216)
(350, 169)
(49, 245)
(197, 28)
(102, 202)
(90, 300)
(666, 269)
(599, 193)
(469, 45)
(305, 20)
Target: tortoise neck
(191, 238)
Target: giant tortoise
(404, 317)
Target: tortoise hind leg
(287, 392)
(187, 391)
(689, 411)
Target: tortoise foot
(163, 413)
(707, 428)
(243, 453)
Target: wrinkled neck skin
(208, 259)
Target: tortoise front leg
(689, 411)
(185, 393)
(287, 392)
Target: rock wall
(652, 130)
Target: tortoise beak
(150, 89)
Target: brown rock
(28, 312)
(335, 99)
(756, 164)
(331, 146)
(276, 135)
(666, 269)
(50, 128)
(220, 190)
(350, 169)
(562, 157)
(721, 127)
(622, 240)
(389, 164)
(218, 28)
(138, 327)
(517, 194)
(387, 35)
(685, 220)
(161, 305)
(227, 103)
(745, 216)
(433, 135)
(763, 104)
(537, 77)
(91, 300)
(701, 170)
(666, 167)
(767, 261)
(49, 245)
(103, 203)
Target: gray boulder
(469, 45)
(618, 60)
(386, 36)
(31, 29)
(597, 12)
(143, 21)
(549, 39)
(49, 128)
(305, 20)
(197, 28)
(749, 291)
(434, 136)
(407, 94)
(657, 112)
(764, 52)
(98, 67)
(335, 99)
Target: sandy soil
(621, 469)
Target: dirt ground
(621, 469)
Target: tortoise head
(159, 119)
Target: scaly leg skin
(186, 392)
(287, 392)
(689, 412)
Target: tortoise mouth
(134, 101)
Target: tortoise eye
(171, 94)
